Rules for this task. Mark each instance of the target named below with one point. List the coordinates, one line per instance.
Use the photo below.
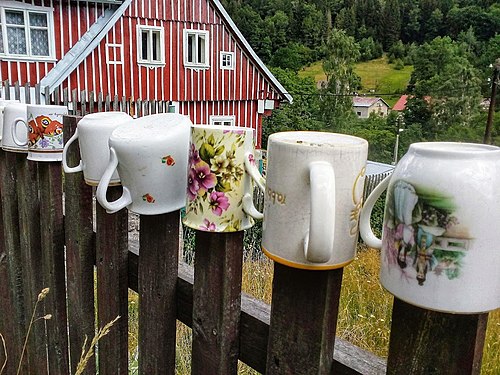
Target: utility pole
(491, 111)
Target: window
(222, 120)
(150, 45)
(196, 48)
(26, 32)
(227, 60)
(114, 54)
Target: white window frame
(150, 30)
(223, 62)
(114, 60)
(198, 34)
(229, 120)
(26, 9)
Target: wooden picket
(51, 239)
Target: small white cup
(314, 188)
(92, 133)
(151, 155)
(3, 104)
(44, 132)
(13, 113)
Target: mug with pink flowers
(221, 173)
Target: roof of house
(98, 31)
(401, 103)
(366, 101)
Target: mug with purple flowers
(221, 172)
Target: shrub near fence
(50, 244)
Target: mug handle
(124, 200)
(248, 205)
(365, 228)
(68, 169)
(318, 242)
(16, 140)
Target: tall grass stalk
(5, 354)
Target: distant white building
(364, 105)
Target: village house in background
(188, 53)
(363, 106)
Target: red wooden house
(188, 52)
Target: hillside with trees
(451, 45)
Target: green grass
(377, 76)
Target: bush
(399, 64)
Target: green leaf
(219, 150)
(206, 152)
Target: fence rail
(50, 243)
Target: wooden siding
(201, 92)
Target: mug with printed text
(93, 132)
(44, 129)
(313, 197)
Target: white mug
(13, 113)
(44, 129)
(151, 155)
(3, 104)
(221, 170)
(440, 239)
(92, 133)
(314, 188)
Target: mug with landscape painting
(150, 154)
(221, 174)
(440, 240)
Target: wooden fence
(48, 241)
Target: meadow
(378, 77)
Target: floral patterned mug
(44, 128)
(219, 183)
(150, 154)
(440, 239)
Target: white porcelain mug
(221, 170)
(3, 104)
(93, 132)
(314, 188)
(440, 239)
(13, 113)
(44, 129)
(150, 154)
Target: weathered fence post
(112, 290)
(54, 267)
(217, 302)
(80, 255)
(13, 323)
(429, 342)
(303, 320)
(31, 252)
(158, 264)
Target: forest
(453, 47)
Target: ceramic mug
(92, 133)
(13, 113)
(440, 239)
(44, 129)
(313, 198)
(3, 104)
(150, 154)
(221, 170)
